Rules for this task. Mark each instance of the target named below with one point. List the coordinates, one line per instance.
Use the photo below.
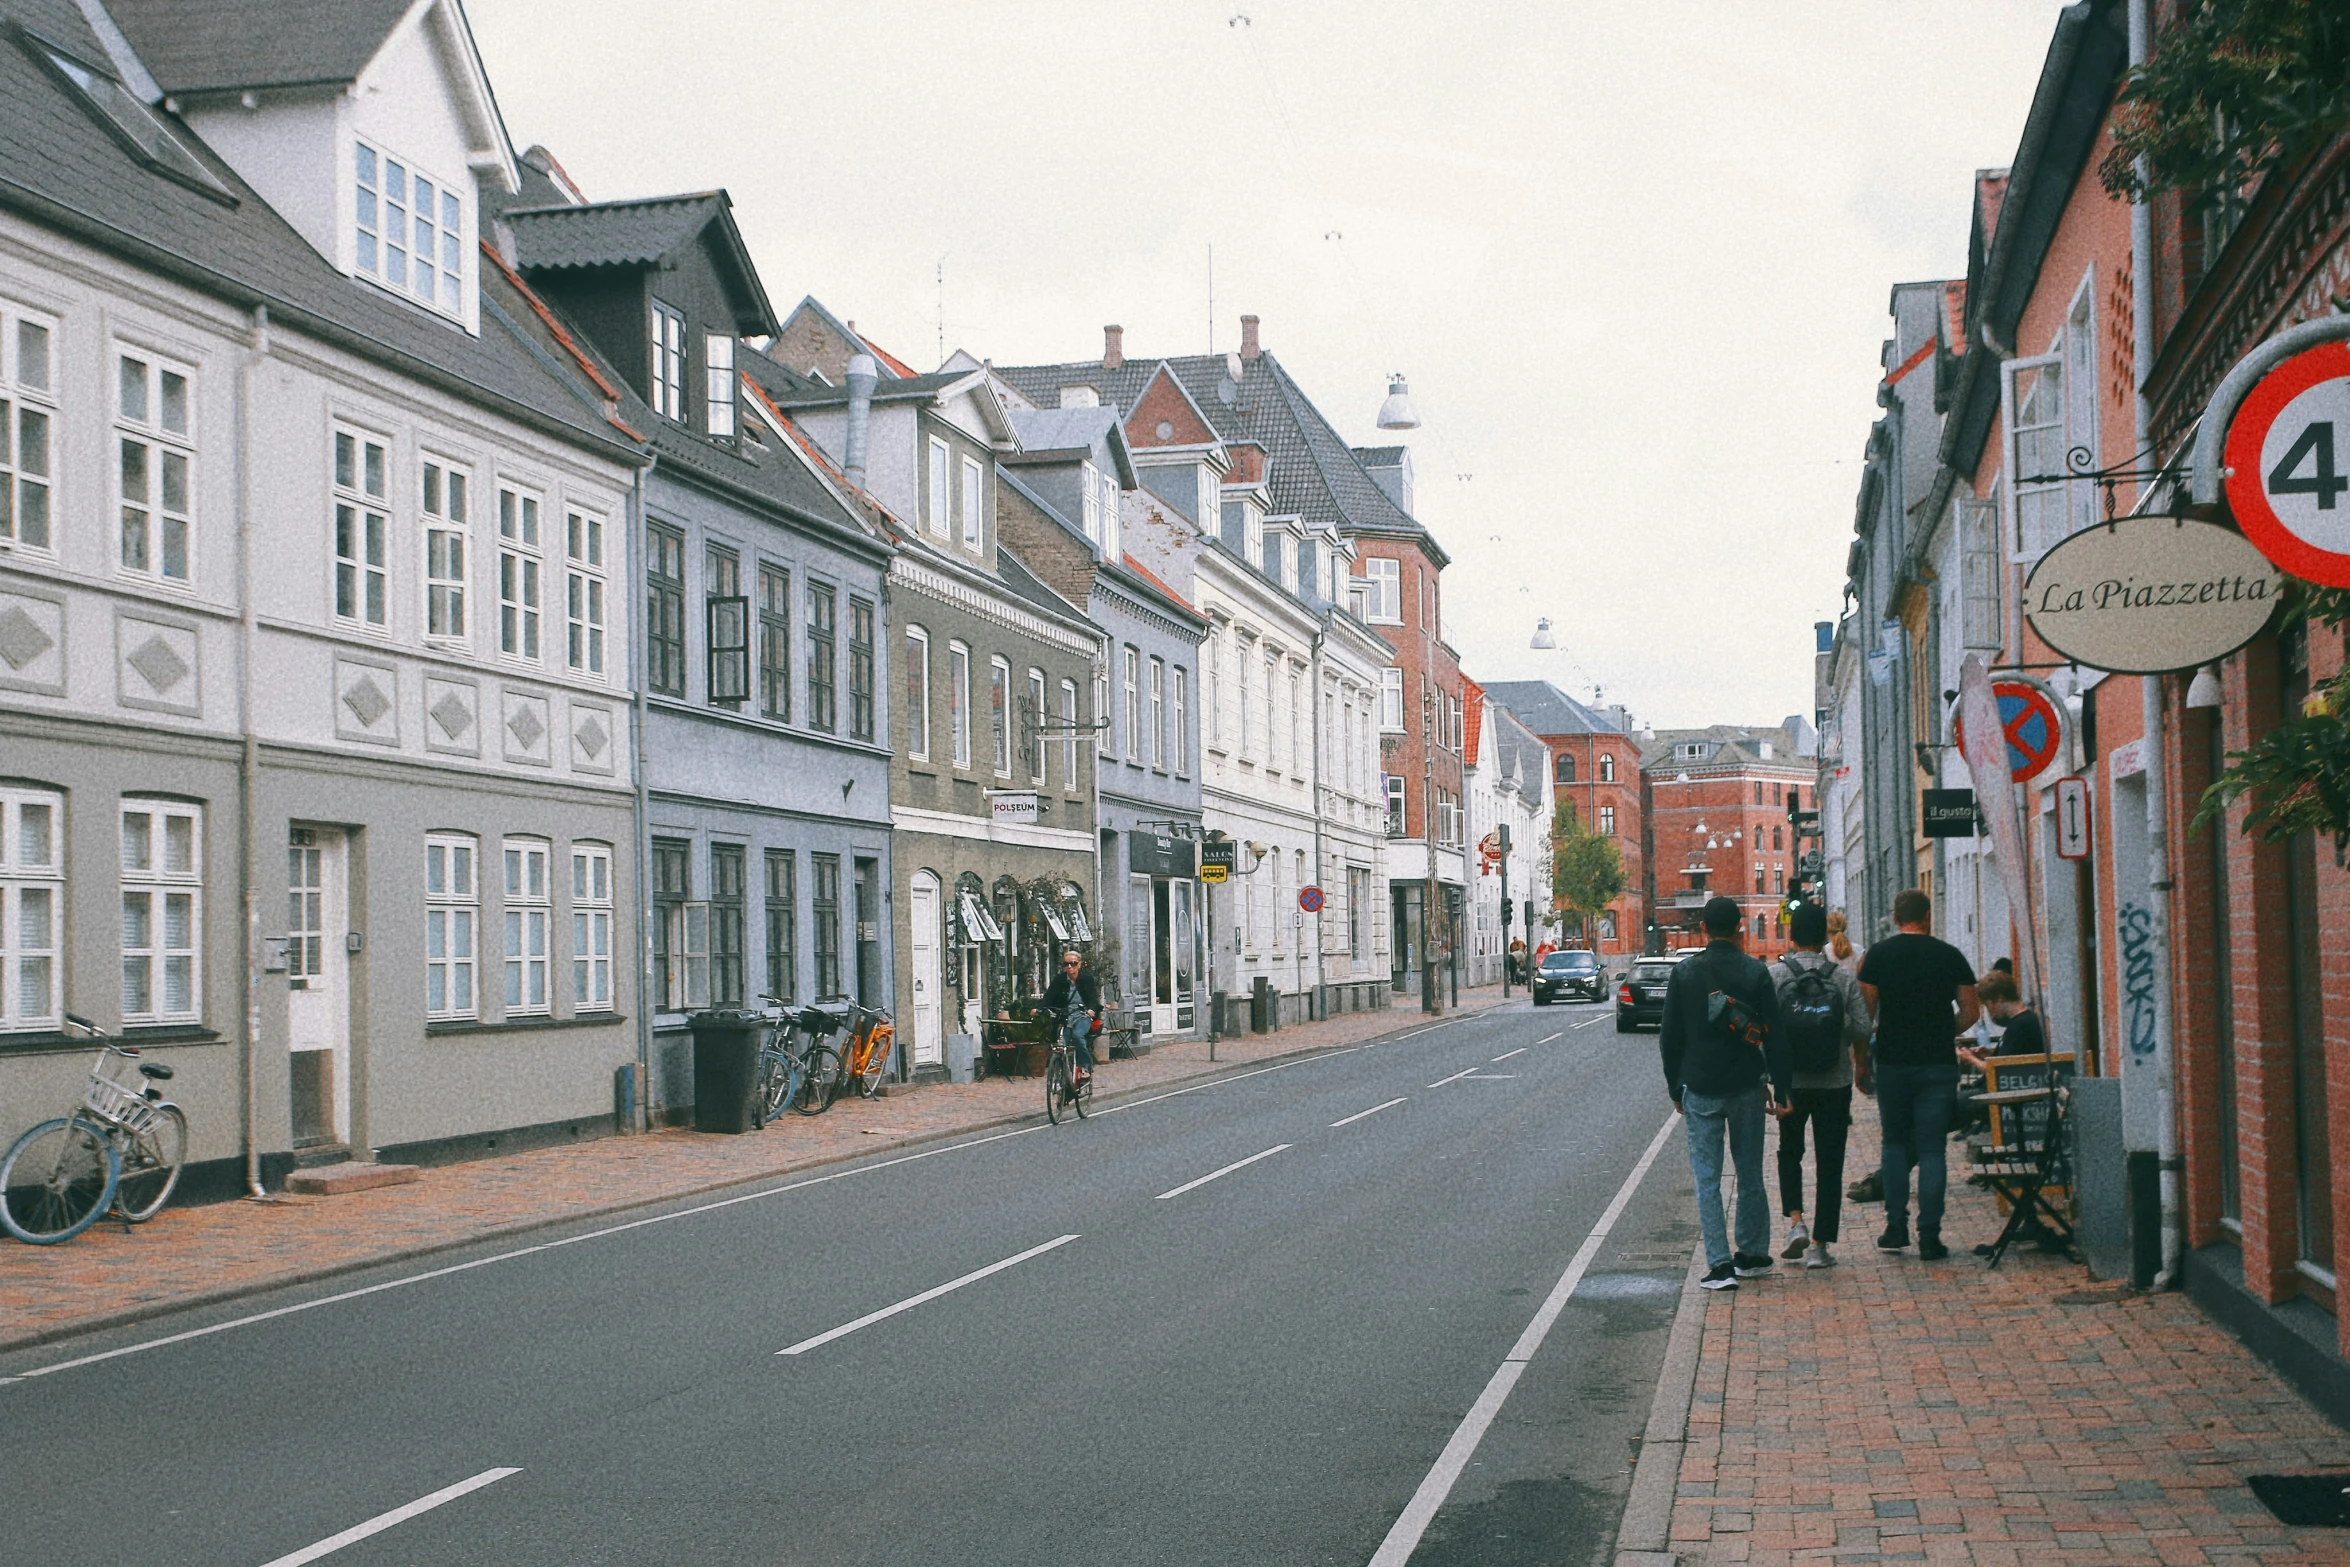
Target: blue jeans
(1077, 1032)
(1704, 1119)
(1915, 1103)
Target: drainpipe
(642, 810)
(1314, 684)
(864, 375)
(249, 757)
(2158, 877)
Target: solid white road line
(1227, 1170)
(1504, 1056)
(382, 1521)
(1401, 1540)
(1430, 1029)
(911, 1301)
(1561, 1034)
(1360, 1114)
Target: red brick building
(1595, 765)
(1715, 804)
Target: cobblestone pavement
(1892, 1410)
(187, 1256)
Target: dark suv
(1573, 972)
(1640, 999)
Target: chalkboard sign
(2021, 1127)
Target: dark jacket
(1089, 990)
(1698, 1055)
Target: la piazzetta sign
(2149, 595)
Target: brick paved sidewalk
(1893, 1410)
(188, 1256)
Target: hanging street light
(1542, 637)
(1397, 412)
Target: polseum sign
(2149, 595)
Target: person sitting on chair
(1074, 999)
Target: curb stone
(1646, 1529)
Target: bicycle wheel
(873, 1064)
(820, 1078)
(1082, 1095)
(779, 1083)
(1056, 1087)
(57, 1179)
(151, 1165)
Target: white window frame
(445, 528)
(32, 872)
(959, 701)
(1607, 821)
(1040, 769)
(584, 590)
(361, 528)
(2038, 499)
(1211, 710)
(1105, 741)
(386, 186)
(522, 574)
(1391, 714)
(1158, 712)
(718, 416)
(974, 504)
(28, 433)
(1113, 539)
(162, 911)
(591, 927)
(1130, 692)
(452, 925)
(666, 365)
(1297, 717)
(917, 694)
(527, 910)
(1182, 742)
(155, 476)
(999, 713)
(1607, 767)
(1069, 745)
(1091, 509)
(1383, 591)
(941, 498)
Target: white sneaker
(1820, 1256)
(1798, 1238)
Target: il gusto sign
(2148, 595)
(2285, 451)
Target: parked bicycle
(804, 1078)
(872, 1047)
(122, 1148)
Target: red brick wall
(1725, 802)
(1422, 657)
(1589, 792)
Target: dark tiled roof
(612, 233)
(60, 169)
(192, 46)
(814, 394)
(1379, 456)
(1545, 709)
(1315, 474)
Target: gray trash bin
(726, 1052)
(962, 1057)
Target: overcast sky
(1634, 256)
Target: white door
(318, 1001)
(923, 940)
(1163, 950)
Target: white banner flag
(1999, 800)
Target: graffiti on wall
(2137, 936)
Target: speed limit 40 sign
(2288, 465)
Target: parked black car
(1640, 999)
(1572, 972)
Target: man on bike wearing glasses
(1074, 998)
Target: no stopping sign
(2288, 460)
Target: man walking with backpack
(1922, 992)
(1826, 1021)
(1719, 1043)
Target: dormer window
(668, 363)
(411, 232)
(1093, 501)
(718, 395)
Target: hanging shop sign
(2072, 818)
(2150, 595)
(1949, 813)
(2035, 730)
(1010, 806)
(1158, 854)
(2284, 464)
(1216, 859)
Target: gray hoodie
(1856, 1011)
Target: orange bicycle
(870, 1049)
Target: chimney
(1113, 348)
(1248, 338)
(863, 374)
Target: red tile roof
(1153, 578)
(1473, 695)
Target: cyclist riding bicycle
(1074, 1000)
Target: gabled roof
(1727, 745)
(1314, 473)
(891, 366)
(1546, 710)
(194, 46)
(643, 233)
(1166, 416)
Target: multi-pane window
(1607, 821)
(1395, 805)
(28, 397)
(1182, 736)
(162, 873)
(1383, 591)
(824, 909)
(361, 576)
(959, 701)
(529, 910)
(521, 570)
(917, 694)
(1297, 717)
(1607, 768)
(591, 927)
(973, 499)
(443, 508)
(726, 924)
(1069, 743)
(452, 899)
(1104, 743)
(823, 657)
(1036, 718)
(860, 669)
(1212, 719)
(775, 643)
(665, 610)
(726, 627)
(1391, 699)
(1131, 691)
(32, 897)
(583, 591)
(1092, 501)
(783, 925)
(410, 231)
(718, 387)
(941, 501)
(156, 442)
(681, 930)
(999, 714)
(1158, 712)
(667, 362)
(1112, 546)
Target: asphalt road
(1238, 1323)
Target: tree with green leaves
(1586, 868)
